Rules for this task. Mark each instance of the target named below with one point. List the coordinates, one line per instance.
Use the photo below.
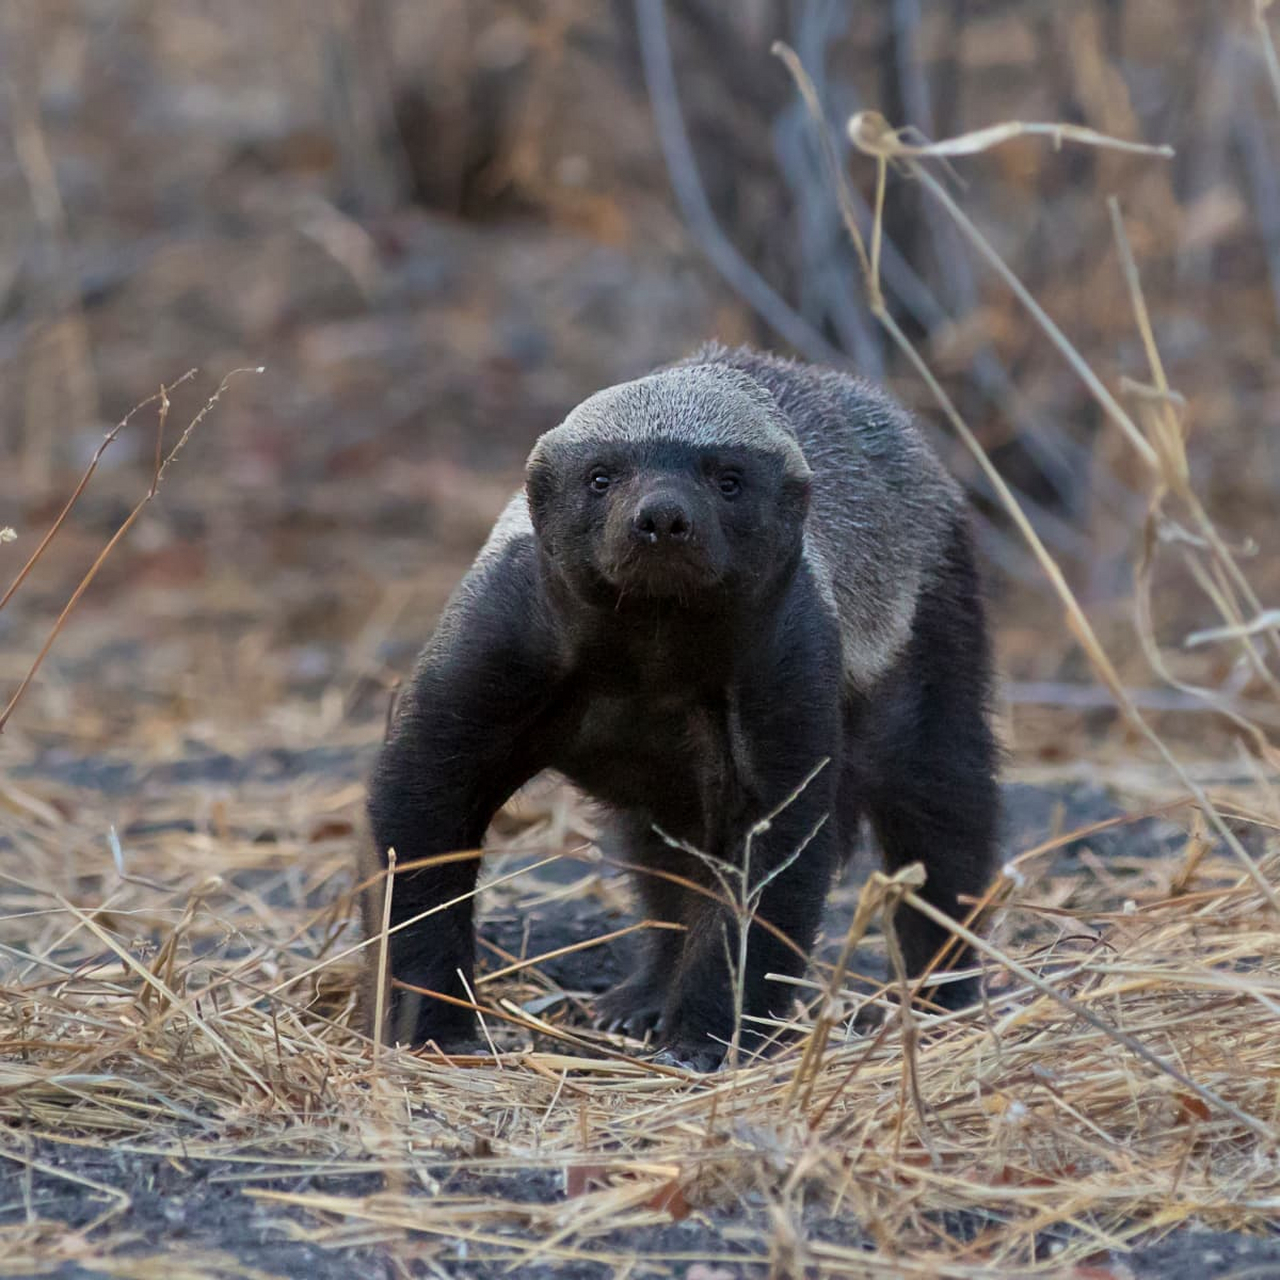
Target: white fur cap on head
(705, 405)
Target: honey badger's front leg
(465, 736)
(787, 734)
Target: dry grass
(195, 1007)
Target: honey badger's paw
(633, 1007)
(689, 1056)
(705, 1053)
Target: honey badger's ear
(798, 490)
(539, 484)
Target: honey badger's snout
(662, 517)
(662, 540)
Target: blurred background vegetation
(439, 225)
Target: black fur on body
(716, 578)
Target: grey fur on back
(882, 506)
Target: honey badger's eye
(599, 481)
(730, 483)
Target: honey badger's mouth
(668, 574)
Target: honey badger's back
(883, 510)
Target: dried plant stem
(1136, 1047)
(1076, 619)
(1110, 405)
(871, 132)
(108, 439)
(1175, 472)
(383, 972)
(119, 534)
(520, 966)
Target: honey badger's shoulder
(884, 513)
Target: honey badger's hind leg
(635, 1005)
(930, 759)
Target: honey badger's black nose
(662, 517)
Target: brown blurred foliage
(439, 225)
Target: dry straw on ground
(191, 993)
(228, 1039)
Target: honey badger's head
(684, 486)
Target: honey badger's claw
(632, 1008)
(666, 1058)
(687, 1058)
(627, 1025)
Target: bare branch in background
(659, 74)
(60, 384)
(959, 286)
(824, 250)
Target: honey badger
(716, 578)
